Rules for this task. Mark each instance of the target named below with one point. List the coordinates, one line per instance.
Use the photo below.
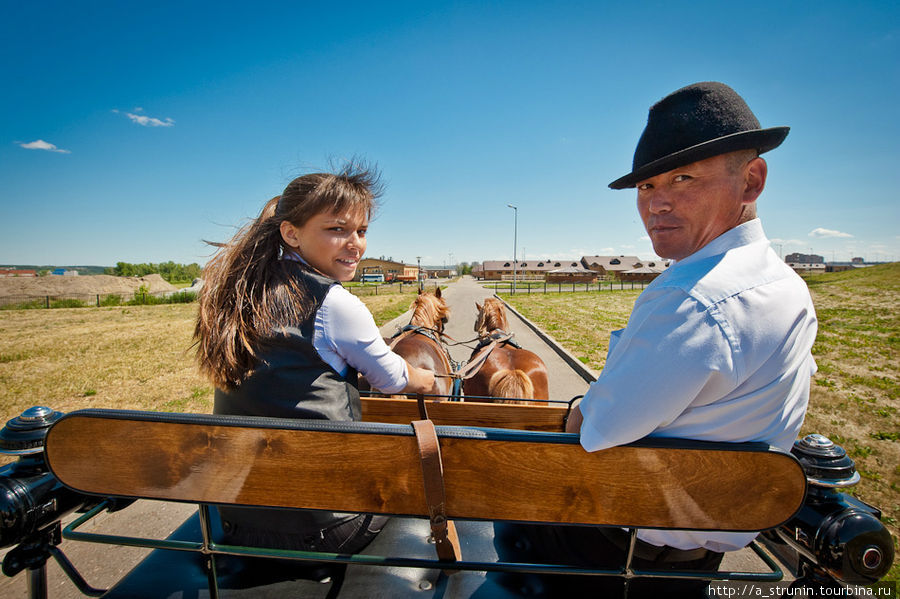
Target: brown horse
(508, 371)
(419, 342)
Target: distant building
(392, 271)
(15, 272)
(571, 274)
(807, 267)
(610, 267)
(644, 273)
(799, 258)
(604, 267)
(503, 270)
(63, 272)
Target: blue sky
(133, 131)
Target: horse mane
(491, 316)
(429, 310)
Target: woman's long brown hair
(248, 290)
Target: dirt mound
(81, 285)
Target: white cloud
(644, 238)
(147, 121)
(820, 232)
(40, 144)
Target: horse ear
(478, 306)
(437, 292)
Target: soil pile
(81, 285)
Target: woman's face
(332, 243)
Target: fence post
(48, 302)
(98, 300)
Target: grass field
(128, 357)
(855, 396)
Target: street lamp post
(515, 241)
(419, 271)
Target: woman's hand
(420, 380)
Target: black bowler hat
(697, 122)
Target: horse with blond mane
(508, 370)
(419, 342)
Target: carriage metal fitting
(24, 434)
(834, 535)
(825, 464)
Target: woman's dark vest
(290, 381)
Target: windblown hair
(430, 310)
(491, 316)
(249, 291)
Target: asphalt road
(103, 565)
(461, 297)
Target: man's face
(685, 208)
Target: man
(717, 348)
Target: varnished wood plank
(454, 413)
(704, 489)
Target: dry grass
(854, 398)
(134, 357)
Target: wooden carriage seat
(488, 475)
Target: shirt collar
(292, 255)
(743, 234)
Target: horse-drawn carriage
(446, 471)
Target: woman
(279, 336)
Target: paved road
(461, 297)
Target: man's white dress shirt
(717, 348)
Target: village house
(571, 274)
(807, 267)
(392, 271)
(502, 270)
(587, 269)
(15, 272)
(626, 268)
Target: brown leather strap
(445, 539)
(423, 410)
(475, 364)
(399, 337)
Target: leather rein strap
(474, 365)
(444, 531)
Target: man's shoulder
(717, 277)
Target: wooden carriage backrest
(469, 413)
(373, 467)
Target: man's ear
(754, 179)
(290, 234)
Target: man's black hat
(697, 122)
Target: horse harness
(486, 345)
(461, 370)
(436, 336)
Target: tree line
(170, 271)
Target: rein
(436, 336)
(461, 370)
(488, 344)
